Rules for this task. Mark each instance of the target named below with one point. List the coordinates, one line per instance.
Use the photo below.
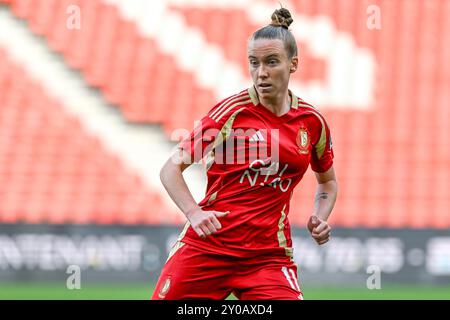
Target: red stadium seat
(104, 45)
(41, 21)
(79, 49)
(117, 84)
(23, 8)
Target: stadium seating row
(52, 171)
(392, 160)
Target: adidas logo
(257, 137)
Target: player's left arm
(322, 165)
(324, 201)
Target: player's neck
(279, 105)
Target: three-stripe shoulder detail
(303, 104)
(229, 104)
(310, 108)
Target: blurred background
(95, 93)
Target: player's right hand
(206, 223)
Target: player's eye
(253, 63)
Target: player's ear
(294, 64)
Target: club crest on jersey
(164, 289)
(303, 141)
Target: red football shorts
(191, 273)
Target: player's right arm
(204, 223)
(200, 143)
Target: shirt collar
(255, 100)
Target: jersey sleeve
(201, 140)
(322, 148)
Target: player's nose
(262, 73)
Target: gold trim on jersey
(185, 229)
(210, 159)
(225, 105)
(175, 248)
(253, 95)
(225, 102)
(212, 197)
(294, 102)
(255, 99)
(280, 234)
(320, 145)
(222, 136)
(232, 107)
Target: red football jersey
(254, 160)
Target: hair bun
(282, 18)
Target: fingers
(314, 221)
(200, 232)
(207, 223)
(205, 229)
(202, 229)
(323, 226)
(216, 223)
(320, 239)
(213, 223)
(323, 241)
(210, 226)
(321, 231)
(221, 214)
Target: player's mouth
(264, 87)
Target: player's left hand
(320, 230)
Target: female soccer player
(258, 144)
